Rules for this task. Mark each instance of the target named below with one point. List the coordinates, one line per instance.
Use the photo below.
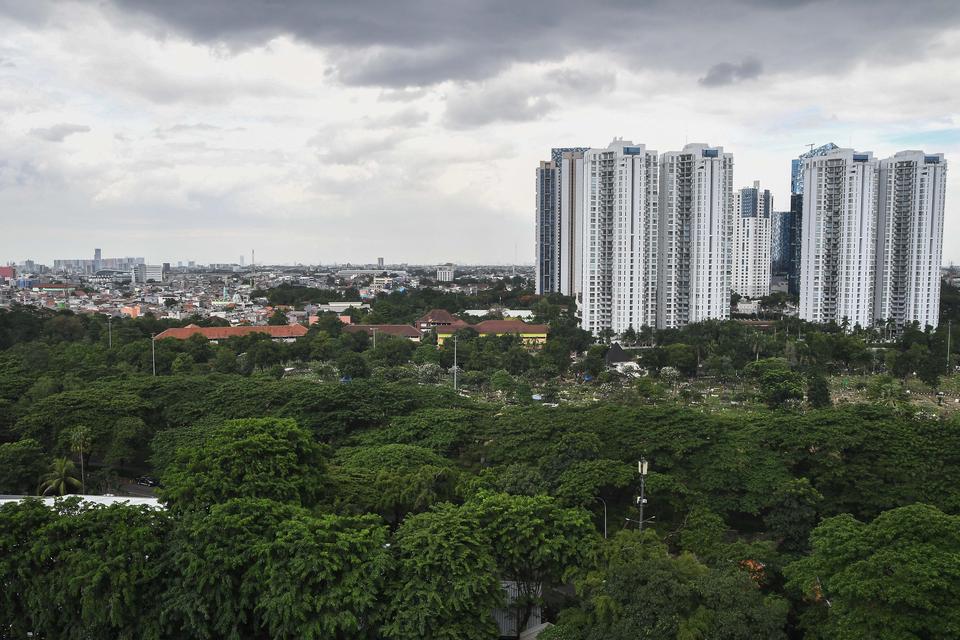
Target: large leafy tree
(258, 458)
(776, 383)
(21, 465)
(535, 541)
(391, 479)
(896, 578)
(639, 591)
(256, 568)
(322, 577)
(98, 572)
(20, 523)
(445, 584)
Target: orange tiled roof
(222, 333)
(437, 316)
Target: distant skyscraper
(796, 165)
(696, 215)
(242, 259)
(751, 241)
(570, 173)
(548, 224)
(780, 244)
(548, 245)
(619, 237)
(380, 263)
(912, 191)
(796, 209)
(839, 231)
(97, 260)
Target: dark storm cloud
(422, 42)
(59, 132)
(726, 73)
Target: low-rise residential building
(280, 333)
(435, 319)
(530, 334)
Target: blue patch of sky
(926, 139)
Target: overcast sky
(342, 131)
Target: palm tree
(80, 442)
(60, 479)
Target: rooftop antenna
(811, 145)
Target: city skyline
(156, 129)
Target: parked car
(147, 481)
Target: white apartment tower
(839, 235)
(696, 216)
(912, 190)
(618, 232)
(571, 223)
(751, 241)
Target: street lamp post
(153, 353)
(374, 332)
(110, 332)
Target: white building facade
(751, 241)
(446, 273)
(618, 232)
(839, 236)
(143, 273)
(695, 235)
(571, 204)
(912, 192)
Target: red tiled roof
(437, 316)
(222, 333)
(498, 326)
(399, 330)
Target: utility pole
(110, 332)
(454, 362)
(949, 327)
(374, 332)
(153, 353)
(642, 466)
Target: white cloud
(177, 146)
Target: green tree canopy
(21, 465)
(535, 542)
(391, 479)
(896, 578)
(445, 584)
(639, 590)
(256, 457)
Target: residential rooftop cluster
(236, 293)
